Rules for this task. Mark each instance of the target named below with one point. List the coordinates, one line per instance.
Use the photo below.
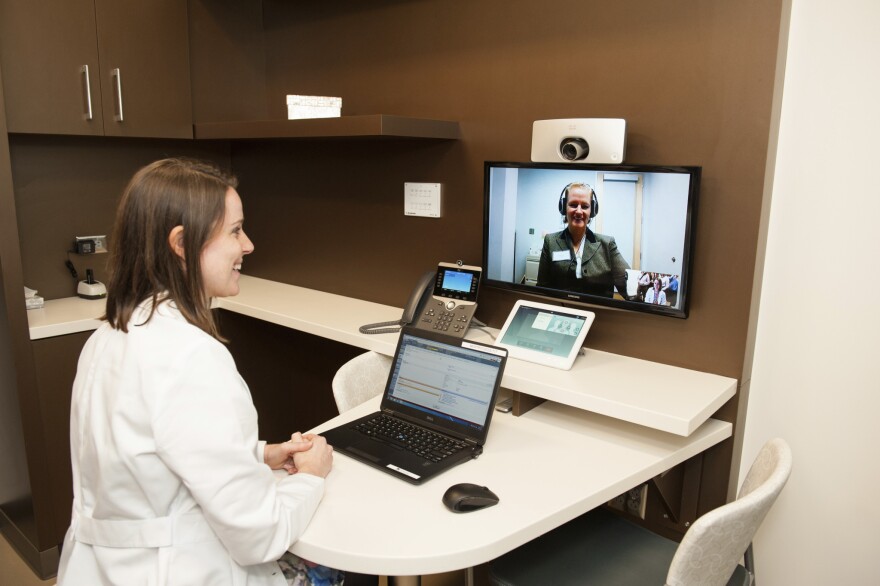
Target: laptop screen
(449, 382)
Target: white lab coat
(169, 482)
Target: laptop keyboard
(427, 444)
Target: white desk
(547, 467)
(613, 422)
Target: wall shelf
(615, 384)
(366, 126)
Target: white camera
(579, 140)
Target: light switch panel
(421, 199)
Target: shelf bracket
(679, 491)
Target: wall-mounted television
(619, 236)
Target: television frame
(626, 302)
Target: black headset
(594, 201)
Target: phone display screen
(457, 282)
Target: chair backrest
(359, 379)
(714, 544)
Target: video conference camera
(579, 140)
(574, 149)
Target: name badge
(561, 255)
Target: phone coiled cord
(381, 327)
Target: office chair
(361, 378)
(601, 547)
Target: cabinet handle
(117, 77)
(87, 90)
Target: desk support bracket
(523, 403)
(679, 491)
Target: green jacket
(602, 265)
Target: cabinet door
(144, 50)
(55, 360)
(44, 47)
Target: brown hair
(142, 264)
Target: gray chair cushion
(596, 548)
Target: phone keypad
(443, 320)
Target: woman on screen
(576, 258)
(657, 295)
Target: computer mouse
(467, 497)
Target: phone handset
(419, 297)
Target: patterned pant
(300, 572)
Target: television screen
(610, 235)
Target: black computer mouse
(467, 497)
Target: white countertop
(667, 398)
(547, 466)
(70, 315)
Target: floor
(14, 571)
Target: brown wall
(69, 186)
(693, 80)
(227, 64)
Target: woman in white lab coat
(171, 484)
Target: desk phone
(448, 302)
(444, 300)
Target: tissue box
(299, 107)
(31, 299)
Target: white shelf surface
(667, 398)
(330, 316)
(69, 315)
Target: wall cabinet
(96, 67)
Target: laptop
(435, 410)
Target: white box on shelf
(299, 107)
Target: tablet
(546, 334)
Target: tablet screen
(543, 330)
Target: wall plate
(422, 199)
